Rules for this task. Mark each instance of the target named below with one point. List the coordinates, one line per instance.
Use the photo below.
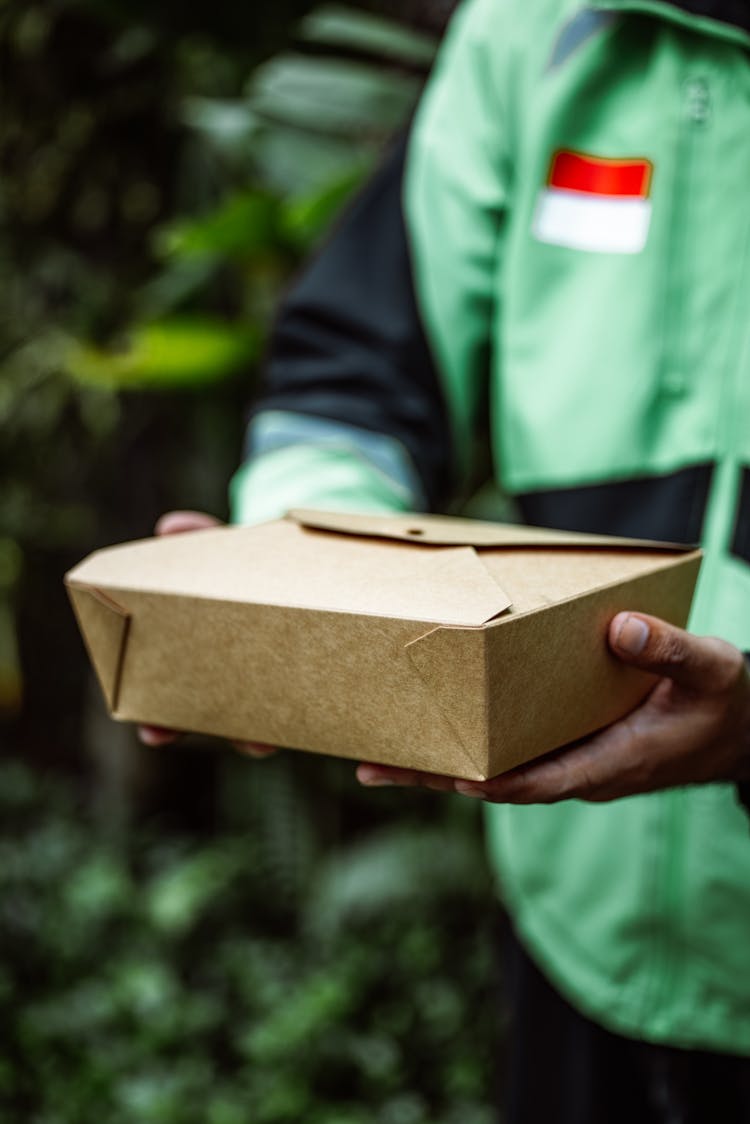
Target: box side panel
(333, 683)
(552, 678)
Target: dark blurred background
(188, 936)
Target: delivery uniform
(571, 261)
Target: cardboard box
(441, 644)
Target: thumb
(695, 663)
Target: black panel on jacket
(668, 508)
(736, 12)
(743, 794)
(348, 343)
(741, 538)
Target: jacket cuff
(296, 460)
(306, 476)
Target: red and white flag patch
(594, 203)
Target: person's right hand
(178, 523)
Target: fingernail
(251, 749)
(154, 736)
(633, 636)
(372, 778)
(468, 789)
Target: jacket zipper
(696, 112)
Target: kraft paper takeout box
(441, 644)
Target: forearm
(349, 352)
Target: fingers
(157, 735)
(603, 767)
(254, 749)
(178, 522)
(380, 776)
(375, 776)
(539, 783)
(696, 663)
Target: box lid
(444, 530)
(284, 563)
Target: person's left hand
(693, 727)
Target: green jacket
(576, 209)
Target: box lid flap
(440, 530)
(280, 563)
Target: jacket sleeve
(375, 385)
(457, 188)
(352, 413)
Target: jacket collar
(723, 19)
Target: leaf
(241, 225)
(180, 895)
(98, 888)
(294, 161)
(179, 280)
(306, 219)
(393, 871)
(168, 353)
(332, 95)
(229, 124)
(337, 26)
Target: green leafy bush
(325, 956)
(167, 980)
(164, 169)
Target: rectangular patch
(573, 171)
(595, 204)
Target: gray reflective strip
(278, 429)
(576, 31)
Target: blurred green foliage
(277, 163)
(187, 937)
(164, 982)
(163, 172)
